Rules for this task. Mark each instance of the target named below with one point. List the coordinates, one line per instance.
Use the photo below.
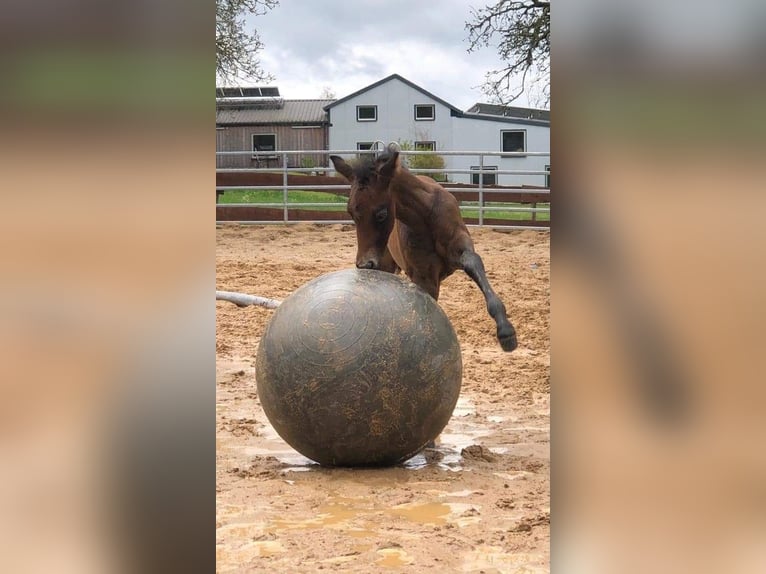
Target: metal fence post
(285, 216)
(481, 190)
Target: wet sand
(477, 502)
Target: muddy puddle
(461, 432)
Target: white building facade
(395, 109)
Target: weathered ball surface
(359, 368)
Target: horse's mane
(363, 168)
(366, 167)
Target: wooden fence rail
(339, 186)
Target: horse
(411, 223)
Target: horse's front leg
(472, 264)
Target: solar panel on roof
(247, 92)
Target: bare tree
(327, 93)
(521, 29)
(235, 47)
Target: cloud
(347, 46)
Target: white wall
(396, 122)
(485, 135)
(396, 118)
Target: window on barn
(425, 146)
(264, 145)
(514, 140)
(548, 176)
(425, 112)
(487, 178)
(367, 113)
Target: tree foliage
(423, 161)
(521, 29)
(235, 46)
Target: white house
(395, 109)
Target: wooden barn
(259, 120)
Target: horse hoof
(508, 342)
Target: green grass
(299, 196)
(275, 196)
(515, 215)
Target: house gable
(392, 109)
(388, 79)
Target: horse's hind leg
(472, 264)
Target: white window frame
(433, 112)
(264, 154)
(502, 138)
(374, 107)
(486, 168)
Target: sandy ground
(478, 502)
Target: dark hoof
(508, 341)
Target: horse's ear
(342, 167)
(388, 168)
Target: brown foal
(410, 222)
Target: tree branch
(236, 48)
(523, 28)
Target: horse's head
(370, 204)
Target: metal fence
(484, 194)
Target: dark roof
(510, 112)
(506, 120)
(290, 112)
(388, 79)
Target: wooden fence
(527, 195)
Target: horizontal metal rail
(343, 205)
(349, 222)
(280, 187)
(266, 155)
(289, 205)
(486, 170)
(507, 208)
(289, 222)
(488, 190)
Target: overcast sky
(348, 44)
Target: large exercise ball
(359, 368)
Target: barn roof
(290, 112)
